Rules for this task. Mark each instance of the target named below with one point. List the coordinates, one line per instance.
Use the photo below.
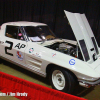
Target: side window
(14, 32)
(11, 31)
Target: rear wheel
(62, 80)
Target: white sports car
(33, 46)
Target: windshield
(39, 33)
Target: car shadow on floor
(82, 91)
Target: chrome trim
(97, 82)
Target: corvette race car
(34, 47)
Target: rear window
(84, 49)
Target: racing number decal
(9, 48)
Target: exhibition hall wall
(51, 12)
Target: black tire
(68, 85)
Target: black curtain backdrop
(51, 12)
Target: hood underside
(84, 35)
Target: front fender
(80, 68)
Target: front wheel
(62, 80)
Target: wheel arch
(50, 66)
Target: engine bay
(64, 48)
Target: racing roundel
(72, 62)
(19, 55)
(20, 34)
(31, 50)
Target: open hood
(84, 36)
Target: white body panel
(89, 30)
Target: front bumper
(88, 84)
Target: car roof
(24, 23)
